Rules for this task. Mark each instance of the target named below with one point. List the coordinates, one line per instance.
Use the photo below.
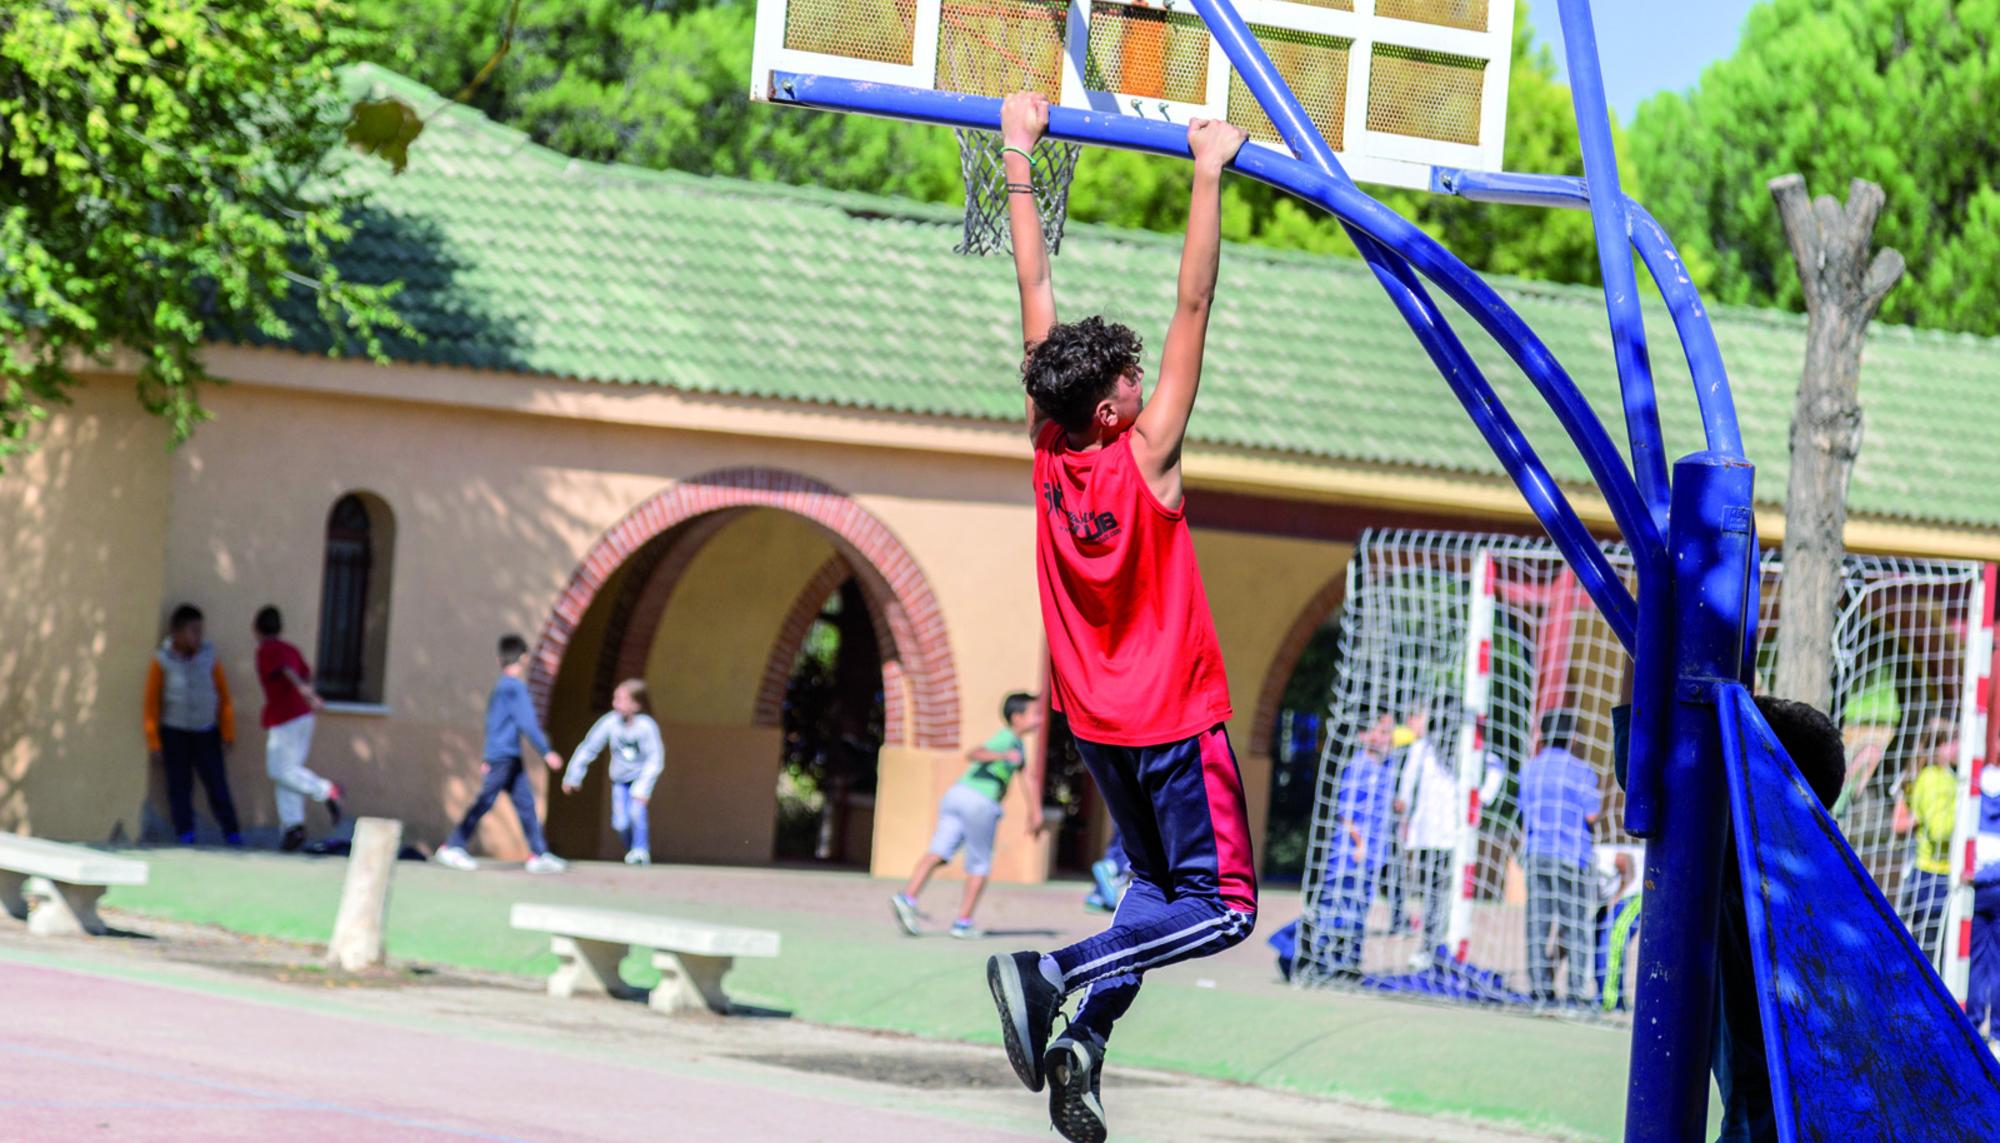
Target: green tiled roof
(519, 259)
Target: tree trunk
(1843, 290)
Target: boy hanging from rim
(1137, 670)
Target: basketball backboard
(1395, 86)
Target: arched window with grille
(354, 600)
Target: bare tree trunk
(1843, 289)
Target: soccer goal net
(1466, 840)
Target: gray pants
(967, 818)
(1433, 879)
(1558, 895)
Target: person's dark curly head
(1813, 742)
(1076, 366)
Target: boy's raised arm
(1162, 424)
(1024, 116)
(586, 752)
(304, 688)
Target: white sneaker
(638, 857)
(452, 857)
(546, 863)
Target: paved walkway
(169, 1038)
(845, 964)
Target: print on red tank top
(1131, 642)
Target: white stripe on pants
(285, 748)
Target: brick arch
(791, 640)
(919, 679)
(1310, 619)
(649, 584)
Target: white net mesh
(1467, 836)
(979, 159)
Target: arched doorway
(831, 717)
(730, 594)
(1290, 727)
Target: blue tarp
(1863, 1039)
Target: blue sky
(1649, 46)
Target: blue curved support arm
(1269, 88)
(1712, 395)
(1652, 699)
(1344, 201)
(1711, 382)
(1475, 394)
(1463, 376)
(1614, 257)
(1643, 527)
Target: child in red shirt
(1137, 669)
(289, 709)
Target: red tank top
(1131, 641)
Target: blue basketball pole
(1714, 549)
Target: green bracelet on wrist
(1018, 151)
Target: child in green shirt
(969, 815)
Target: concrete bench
(63, 882)
(692, 956)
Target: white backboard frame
(1378, 157)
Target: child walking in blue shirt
(637, 758)
(1560, 801)
(510, 717)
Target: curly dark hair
(1076, 366)
(1813, 742)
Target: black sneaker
(293, 839)
(1028, 1005)
(1074, 1065)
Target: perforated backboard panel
(1315, 67)
(992, 47)
(1468, 14)
(1395, 86)
(880, 30)
(1425, 95)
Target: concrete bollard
(364, 898)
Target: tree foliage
(1902, 93)
(160, 180)
(663, 84)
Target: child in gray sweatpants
(969, 815)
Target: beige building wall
(709, 651)
(83, 522)
(499, 486)
(493, 512)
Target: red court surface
(84, 1056)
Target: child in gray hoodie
(637, 758)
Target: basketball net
(980, 162)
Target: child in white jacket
(637, 757)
